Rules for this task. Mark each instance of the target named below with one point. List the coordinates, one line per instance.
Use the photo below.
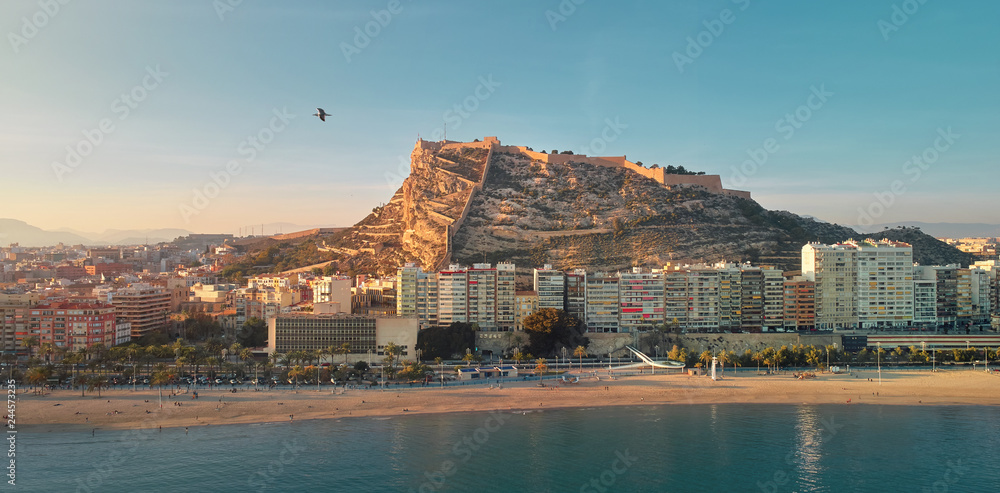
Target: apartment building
(799, 304)
(506, 293)
(885, 283)
(144, 307)
(602, 303)
(550, 284)
(641, 299)
(833, 269)
(526, 303)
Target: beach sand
(65, 410)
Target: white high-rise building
(885, 283)
(602, 303)
(506, 297)
(482, 296)
(550, 284)
(453, 295)
(834, 270)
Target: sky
(197, 114)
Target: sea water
(725, 447)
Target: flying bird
(322, 114)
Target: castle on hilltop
(712, 183)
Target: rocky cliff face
(475, 202)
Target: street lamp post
(878, 357)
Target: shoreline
(66, 410)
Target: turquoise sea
(770, 448)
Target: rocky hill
(485, 202)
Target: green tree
(540, 366)
(549, 328)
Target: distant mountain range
(26, 235)
(941, 230)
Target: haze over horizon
(815, 108)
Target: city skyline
(815, 109)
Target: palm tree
(391, 350)
(580, 352)
(82, 381)
(30, 342)
(540, 366)
(519, 357)
(344, 349)
(468, 358)
(160, 378)
(235, 348)
(705, 358)
(46, 349)
(246, 355)
(295, 373)
(97, 382)
(327, 351)
(37, 377)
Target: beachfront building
(602, 303)
(453, 295)
(550, 284)
(576, 294)
(641, 299)
(417, 294)
(924, 301)
(482, 296)
(506, 296)
(799, 304)
(885, 283)
(833, 269)
(142, 306)
(730, 296)
(73, 326)
(945, 279)
(702, 311)
(367, 335)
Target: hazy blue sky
(894, 83)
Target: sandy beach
(65, 410)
